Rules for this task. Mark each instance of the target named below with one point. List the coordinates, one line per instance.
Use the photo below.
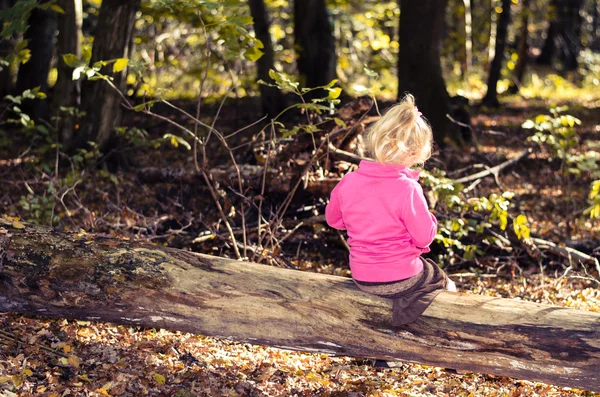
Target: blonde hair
(401, 136)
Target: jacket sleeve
(333, 213)
(420, 223)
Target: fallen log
(89, 277)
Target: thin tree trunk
(419, 66)
(522, 50)
(570, 23)
(40, 35)
(468, 37)
(595, 21)
(95, 278)
(6, 47)
(491, 97)
(67, 91)
(314, 41)
(493, 32)
(272, 100)
(100, 102)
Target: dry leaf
(102, 391)
(73, 361)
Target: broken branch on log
(566, 252)
(496, 169)
(64, 275)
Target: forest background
(221, 127)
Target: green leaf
(77, 72)
(340, 122)
(57, 8)
(520, 226)
(71, 60)
(253, 54)
(529, 124)
(334, 93)
(120, 64)
(176, 141)
(98, 65)
(331, 84)
(13, 99)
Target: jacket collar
(374, 168)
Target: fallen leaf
(73, 361)
(160, 379)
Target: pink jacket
(389, 225)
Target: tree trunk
(491, 96)
(90, 277)
(67, 91)
(314, 41)
(564, 35)
(40, 35)
(468, 38)
(549, 48)
(570, 26)
(419, 67)
(522, 50)
(272, 100)
(100, 101)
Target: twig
(263, 185)
(8, 336)
(474, 275)
(215, 198)
(346, 156)
(343, 240)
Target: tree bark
(100, 101)
(40, 35)
(522, 50)
(90, 277)
(491, 96)
(67, 91)
(419, 66)
(314, 42)
(271, 98)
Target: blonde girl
(382, 207)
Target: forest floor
(41, 357)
